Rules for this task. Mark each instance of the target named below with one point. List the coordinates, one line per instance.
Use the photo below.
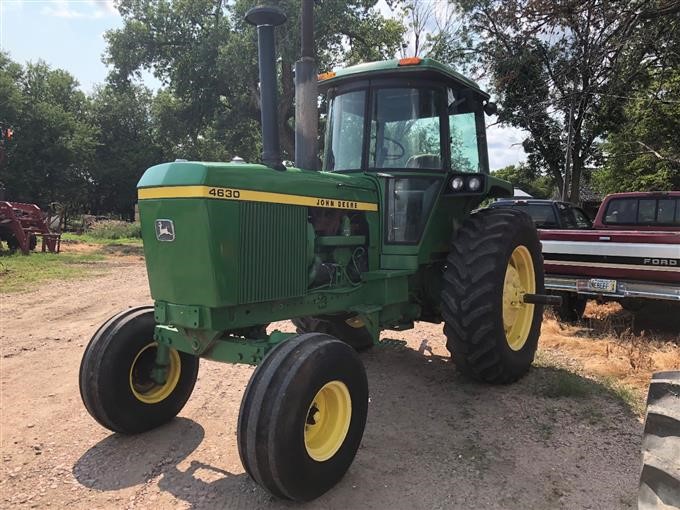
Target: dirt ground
(433, 439)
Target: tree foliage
(564, 66)
(527, 179)
(53, 146)
(644, 152)
(207, 56)
(87, 153)
(126, 146)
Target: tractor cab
(418, 127)
(403, 116)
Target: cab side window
(667, 211)
(463, 140)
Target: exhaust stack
(306, 94)
(265, 18)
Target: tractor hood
(258, 183)
(222, 234)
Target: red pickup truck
(630, 254)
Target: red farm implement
(22, 224)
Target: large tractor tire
(357, 335)
(302, 416)
(495, 258)
(572, 308)
(660, 477)
(115, 375)
(12, 243)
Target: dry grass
(605, 347)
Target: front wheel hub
(142, 382)
(328, 421)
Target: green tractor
(383, 236)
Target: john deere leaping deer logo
(165, 230)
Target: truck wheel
(632, 304)
(357, 337)
(302, 416)
(115, 375)
(494, 260)
(660, 477)
(572, 308)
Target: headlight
(457, 183)
(474, 184)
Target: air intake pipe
(265, 18)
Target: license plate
(601, 285)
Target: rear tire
(660, 477)
(633, 305)
(115, 382)
(495, 257)
(302, 416)
(572, 308)
(336, 325)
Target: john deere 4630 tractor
(383, 236)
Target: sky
(69, 34)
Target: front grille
(272, 252)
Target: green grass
(561, 383)
(114, 229)
(632, 398)
(23, 272)
(89, 238)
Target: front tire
(115, 375)
(495, 259)
(302, 416)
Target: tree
(206, 55)
(560, 70)
(643, 151)
(125, 146)
(53, 145)
(11, 102)
(525, 178)
(431, 28)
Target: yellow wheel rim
(143, 387)
(519, 280)
(327, 421)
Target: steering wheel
(393, 157)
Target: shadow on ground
(123, 249)
(433, 440)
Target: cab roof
(390, 67)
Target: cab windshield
(405, 130)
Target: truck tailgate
(631, 255)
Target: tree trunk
(575, 184)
